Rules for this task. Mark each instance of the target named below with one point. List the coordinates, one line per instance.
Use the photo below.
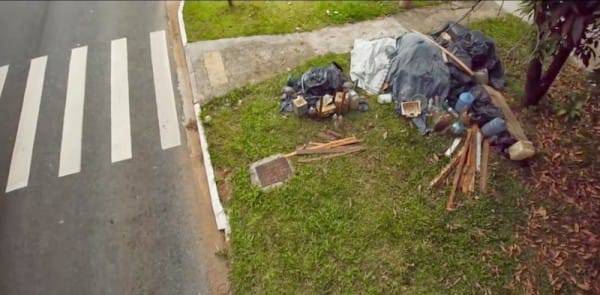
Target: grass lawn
(363, 223)
(209, 20)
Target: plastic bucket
(464, 102)
(493, 127)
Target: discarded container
(441, 121)
(493, 127)
(457, 128)
(411, 109)
(453, 113)
(464, 102)
(384, 98)
(521, 150)
(300, 106)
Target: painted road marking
(119, 102)
(163, 89)
(20, 164)
(70, 147)
(72, 132)
(3, 72)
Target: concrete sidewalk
(222, 65)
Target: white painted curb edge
(182, 31)
(220, 216)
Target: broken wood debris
(331, 149)
(474, 154)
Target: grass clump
(363, 223)
(209, 20)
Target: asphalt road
(123, 217)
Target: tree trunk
(537, 85)
(532, 84)
(230, 2)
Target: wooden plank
(455, 59)
(452, 147)
(512, 124)
(445, 171)
(464, 178)
(485, 153)
(472, 162)
(315, 159)
(459, 168)
(478, 138)
(335, 143)
(331, 150)
(303, 150)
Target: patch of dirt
(223, 177)
(563, 227)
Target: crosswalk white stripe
(70, 147)
(119, 102)
(20, 164)
(3, 72)
(163, 88)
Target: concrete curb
(221, 217)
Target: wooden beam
(336, 143)
(464, 178)
(455, 59)
(330, 150)
(485, 154)
(459, 168)
(472, 161)
(315, 159)
(445, 171)
(512, 124)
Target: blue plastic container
(493, 127)
(464, 102)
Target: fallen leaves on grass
(563, 227)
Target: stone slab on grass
(271, 172)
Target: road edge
(221, 217)
(212, 242)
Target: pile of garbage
(441, 82)
(437, 81)
(321, 92)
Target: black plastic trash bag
(474, 49)
(483, 109)
(417, 69)
(317, 82)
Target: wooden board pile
(334, 147)
(470, 161)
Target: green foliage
(572, 108)
(569, 24)
(208, 20)
(363, 223)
